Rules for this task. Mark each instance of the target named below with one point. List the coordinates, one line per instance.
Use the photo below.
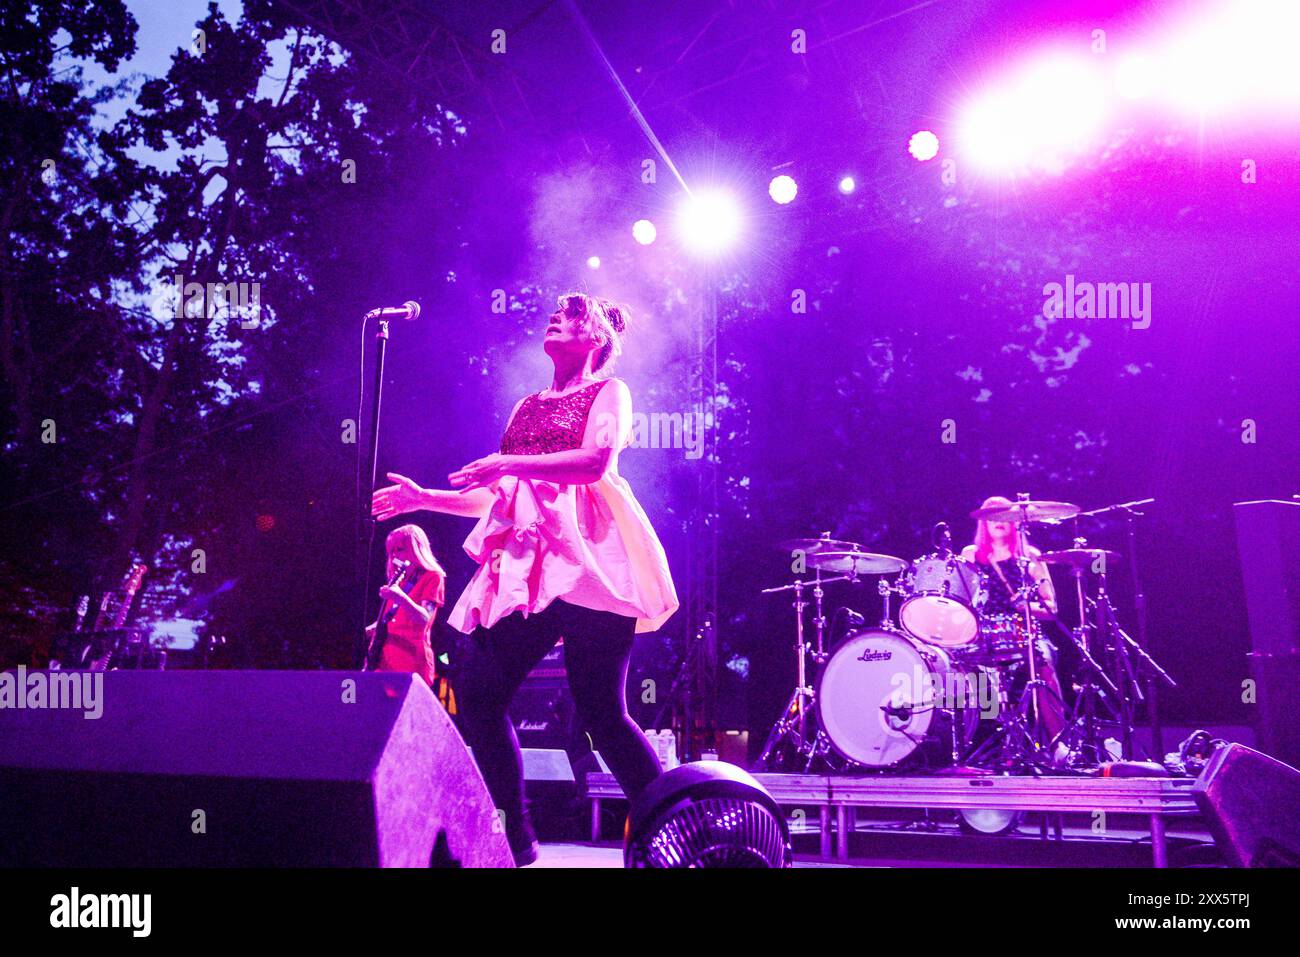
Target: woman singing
(564, 550)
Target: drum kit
(957, 685)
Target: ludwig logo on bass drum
(872, 655)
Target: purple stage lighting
(923, 145)
(593, 262)
(709, 222)
(644, 232)
(847, 184)
(782, 189)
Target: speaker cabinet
(251, 768)
(1252, 803)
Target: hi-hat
(856, 562)
(815, 546)
(1026, 512)
(1080, 557)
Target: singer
(564, 550)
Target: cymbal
(857, 563)
(815, 546)
(1026, 511)
(1080, 557)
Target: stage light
(644, 232)
(1041, 119)
(706, 814)
(1240, 61)
(709, 222)
(1135, 78)
(593, 262)
(782, 189)
(848, 184)
(923, 145)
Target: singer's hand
(394, 500)
(479, 473)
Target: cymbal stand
(1083, 736)
(792, 728)
(1131, 661)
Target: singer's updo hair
(608, 320)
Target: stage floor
(896, 844)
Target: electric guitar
(402, 570)
(113, 618)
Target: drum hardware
(1130, 511)
(857, 562)
(1130, 664)
(792, 728)
(1025, 510)
(792, 731)
(841, 710)
(815, 546)
(1083, 737)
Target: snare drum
(945, 594)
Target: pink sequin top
(590, 544)
(550, 425)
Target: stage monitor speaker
(1268, 541)
(1252, 804)
(241, 768)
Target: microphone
(407, 310)
(942, 531)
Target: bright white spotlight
(1135, 78)
(644, 232)
(782, 189)
(1041, 119)
(848, 184)
(709, 222)
(923, 145)
(593, 262)
(1239, 61)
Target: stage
(832, 803)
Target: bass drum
(884, 700)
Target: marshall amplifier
(542, 710)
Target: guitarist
(400, 638)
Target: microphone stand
(367, 533)
(1140, 606)
(1152, 670)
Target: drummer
(997, 551)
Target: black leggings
(597, 647)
